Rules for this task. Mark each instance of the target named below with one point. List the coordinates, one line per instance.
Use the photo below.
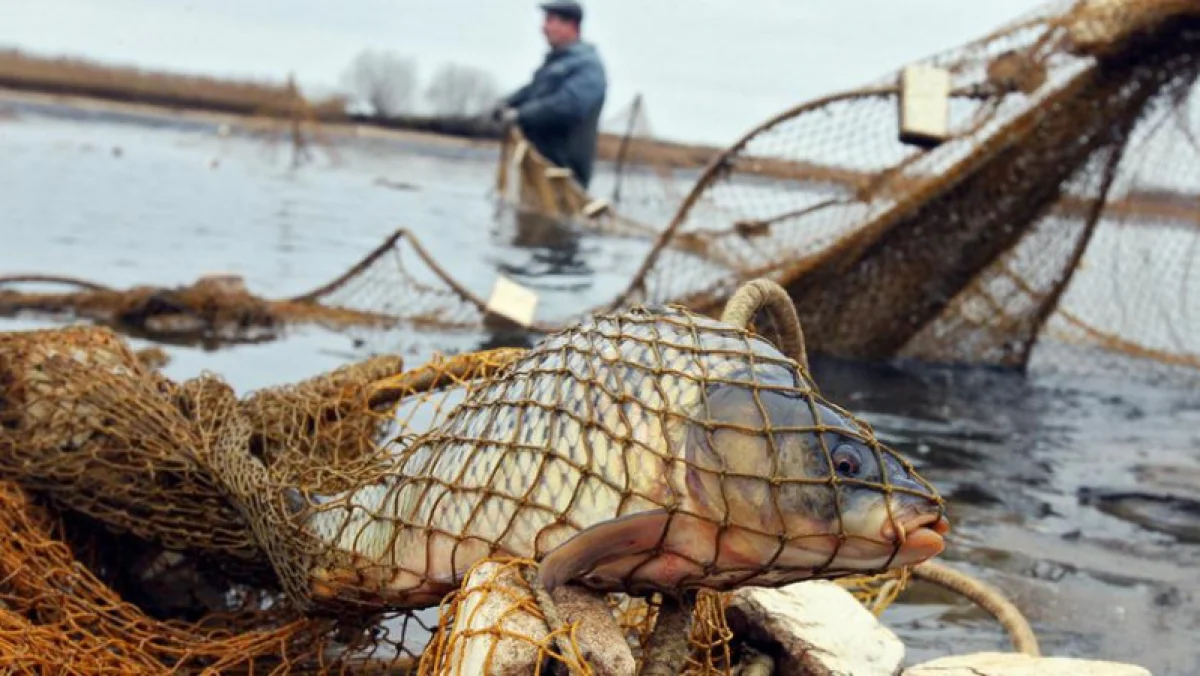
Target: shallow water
(1077, 497)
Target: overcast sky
(709, 69)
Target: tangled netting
(542, 192)
(157, 525)
(641, 191)
(1060, 208)
(395, 284)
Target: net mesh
(108, 469)
(545, 196)
(395, 286)
(656, 428)
(1060, 207)
(57, 614)
(63, 433)
(649, 176)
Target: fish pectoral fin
(609, 540)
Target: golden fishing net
(639, 193)
(57, 615)
(83, 422)
(495, 619)
(1060, 208)
(628, 415)
(174, 522)
(397, 284)
(119, 451)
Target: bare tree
(458, 90)
(385, 81)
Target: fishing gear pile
(651, 459)
(1026, 200)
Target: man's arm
(582, 90)
(518, 97)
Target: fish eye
(847, 461)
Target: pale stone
(600, 638)
(1016, 664)
(822, 630)
(484, 614)
(493, 632)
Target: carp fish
(648, 450)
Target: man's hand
(497, 112)
(509, 116)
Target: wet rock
(488, 623)
(815, 629)
(395, 185)
(1174, 515)
(494, 632)
(1048, 570)
(974, 494)
(599, 636)
(1016, 664)
(1164, 500)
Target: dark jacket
(559, 110)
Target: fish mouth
(918, 536)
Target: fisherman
(559, 110)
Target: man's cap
(568, 9)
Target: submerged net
(120, 488)
(544, 197)
(1061, 206)
(397, 284)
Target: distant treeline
(86, 78)
(379, 89)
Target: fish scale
(588, 427)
